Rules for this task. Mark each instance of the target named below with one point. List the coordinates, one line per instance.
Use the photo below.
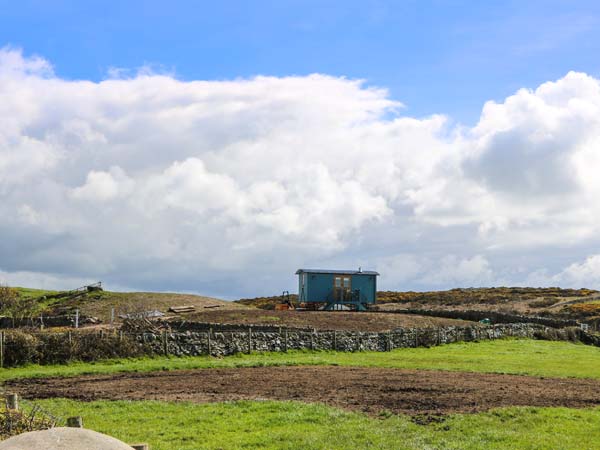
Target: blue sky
(216, 147)
(434, 56)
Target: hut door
(341, 288)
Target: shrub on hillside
(14, 306)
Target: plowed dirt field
(326, 320)
(371, 390)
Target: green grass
(33, 293)
(38, 294)
(528, 357)
(291, 425)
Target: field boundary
(493, 316)
(222, 343)
(19, 348)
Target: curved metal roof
(338, 272)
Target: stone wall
(19, 347)
(221, 343)
(494, 316)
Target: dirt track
(364, 389)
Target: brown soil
(99, 304)
(324, 320)
(371, 390)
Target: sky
(208, 148)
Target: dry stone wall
(18, 347)
(222, 343)
(494, 316)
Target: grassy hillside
(99, 303)
(557, 302)
(495, 295)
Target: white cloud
(583, 274)
(159, 183)
(455, 271)
(102, 186)
(41, 280)
(444, 273)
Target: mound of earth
(63, 439)
(372, 390)
(99, 304)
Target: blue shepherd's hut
(353, 288)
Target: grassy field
(512, 356)
(291, 425)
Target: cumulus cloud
(103, 186)
(578, 274)
(437, 273)
(225, 187)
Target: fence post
(112, 316)
(75, 422)
(140, 447)
(286, 339)
(312, 340)
(77, 318)
(41, 321)
(208, 341)
(334, 340)
(166, 343)
(389, 341)
(120, 335)
(416, 337)
(250, 339)
(12, 402)
(1, 348)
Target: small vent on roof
(359, 269)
